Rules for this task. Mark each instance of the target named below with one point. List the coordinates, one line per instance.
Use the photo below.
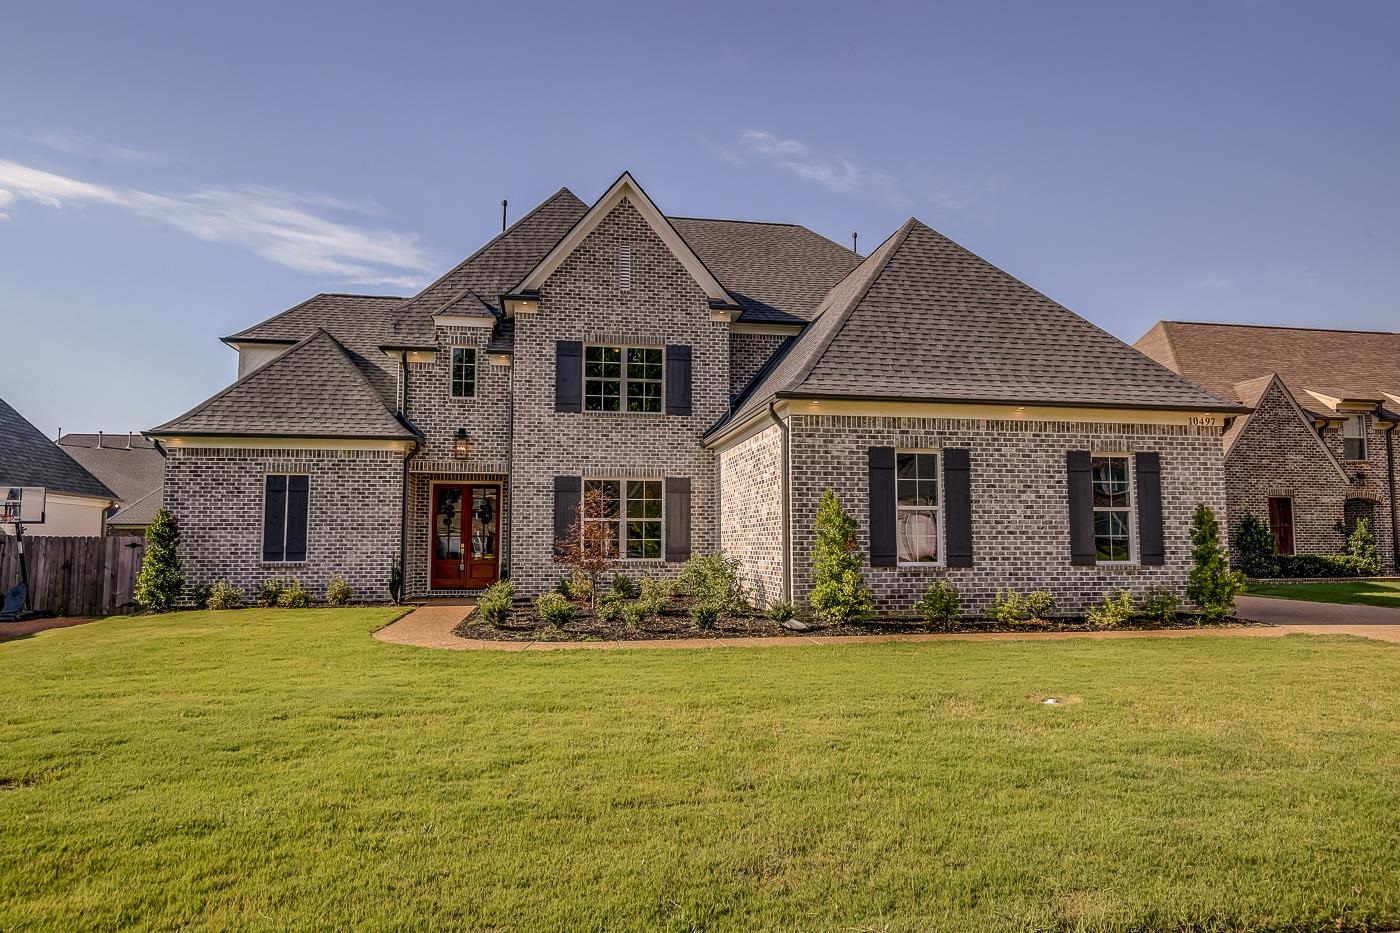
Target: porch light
(459, 444)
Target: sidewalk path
(431, 626)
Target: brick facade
(216, 494)
(747, 354)
(1019, 500)
(1278, 454)
(751, 511)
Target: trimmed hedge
(1322, 565)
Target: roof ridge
(1330, 330)
(733, 220)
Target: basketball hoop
(20, 506)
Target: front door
(1281, 523)
(466, 536)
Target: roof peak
(1326, 330)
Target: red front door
(1281, 524)
(466, 536)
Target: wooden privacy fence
(75, 576)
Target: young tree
(1212, 585)
(159, 581)
(1361, 545)
(590, 548)
(1255, 554)
(838, 592)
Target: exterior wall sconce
(459, 444)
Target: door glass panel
(485, 518)
(447, 536)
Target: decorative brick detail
(1020, 524)
(751, 512)
(1277, 453)
(217, 497)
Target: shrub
(1254, 548)
(159, 582)
(1159, 604)
(1212, 585)
(294, 597)
(1361, 547)
(838, 592)
(395, 581)
(655, 594)
(625, 586)
(270, 593)
(1319, 565)
(555, 609)
(713, 579)
(1039, 603)
(496, 602)
(1115, 609)
(223, 596)
(338, 591)
(939, 604)
(780, 611)
(577, 588)
(704, 615)
(634, 614)
(1008, 608)
(608, 607)
(198, 595)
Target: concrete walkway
(430, 626)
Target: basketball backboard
(22, 504)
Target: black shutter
(677, 530)
(1081, 508)
(568, 493)
(274, 518)
(568, 376)
(883, 552)
(957, 506)
(1147, 466)
(677, 380)
(298, 509)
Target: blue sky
(171, 173)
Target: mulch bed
(526, 625)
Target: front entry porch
(457, 540)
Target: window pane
(916, 532)
(644, 396)
(643, 499)
(907, 491)
(928, 466)
(1110, 479)
(1111, 535)
(643, 539)
(463, 372)
(602, 496)
(906, 466)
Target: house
(709, 378)
(131, 466)
(1317, 452)
(76, 502)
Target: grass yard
(273, 770)
(1353, 592)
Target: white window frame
(1358, 419)
(1130, 508)
(623, 517)
(623, 379)
(452, 371)
(937, 510)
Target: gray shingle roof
(130, 472)
(28, 458)
(922, 318)
(140, 511)
(779, 272)
(315, 389)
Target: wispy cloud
(83, 146)
(289, 229)
(844, 175)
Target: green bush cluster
(940, 604)
(160, 580)
(293, 596)
(1254, 548)
(338, 591)
(1159, 603)
(1211, 584)
(223, 596)
(780, 610)
(575, 587)
(555, 609)
(1011, 608)
(496, 602)
(1115, 609)
(270, 592)
(625, 586)
(1255, 555)
(713, 579)
(839, 594)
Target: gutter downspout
(1390, 483)
(507, 526)
(785, 532)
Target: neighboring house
(710, 378)
(133, 467)
(76, 502)
(1318, 450)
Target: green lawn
(274, 770)
(1355, 592)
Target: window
(285, 512)
(1112, 509)
(916, 507)
(463, 372)
(614, 374)
(1354, 438)
(630, 510)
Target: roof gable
(313, 390)
(1268, 391)
(626, 188)
(28, 458)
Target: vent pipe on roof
(128, 440)
(99, 440)
(504, 204)
(854, 237)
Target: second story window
(622, 379)
(1354, 438)
(463, 372)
